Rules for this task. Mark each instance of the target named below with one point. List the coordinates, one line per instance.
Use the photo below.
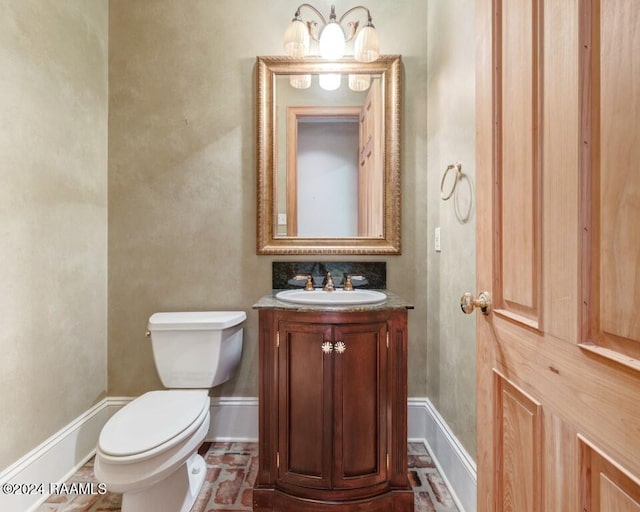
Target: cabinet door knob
(327, 347)
(340, 347)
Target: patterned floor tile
(231, 471)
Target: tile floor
(231, 471)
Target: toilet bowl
(148, 449)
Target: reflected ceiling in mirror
(328, 156)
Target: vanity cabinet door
(360, 405)
(332, 405)
(304, 405)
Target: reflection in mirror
(324, 174)
(328, 156)
(329, 160)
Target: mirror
(328, 156)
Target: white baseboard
(60, 456)
(55, 460)
(454, 463)
(232, 419)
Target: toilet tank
(199, 349)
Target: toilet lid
(151, 420)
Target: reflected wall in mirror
(320, 170)
(328, 156)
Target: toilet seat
(152, 424)
(134, 473)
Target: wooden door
(558, 356)
(360, 405)
(305, 405)
(371, 165)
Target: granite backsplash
(372, 274)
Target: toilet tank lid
(193, 320)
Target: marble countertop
(393, 301)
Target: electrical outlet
(282, 219)
(436, 241)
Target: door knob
(468, 303)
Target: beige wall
(182, 193)
(451, 129)
(53, 216)
(182, 189)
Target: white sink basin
(335, 298)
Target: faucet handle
(348, 285)
(309, 286)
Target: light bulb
(332, 42)
(329, 81)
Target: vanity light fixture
(331, 40)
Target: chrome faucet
(327, 285)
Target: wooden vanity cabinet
(333, 406)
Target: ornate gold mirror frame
(388, 67)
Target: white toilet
(148, 449)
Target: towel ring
(463, 216)
(458, 168)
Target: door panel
(558, 245)
(519, 456)
(619, 41)
(519, 149)
(614, 106)
(614, 499)
(360, 405)
(305, 412)
(605, 486)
